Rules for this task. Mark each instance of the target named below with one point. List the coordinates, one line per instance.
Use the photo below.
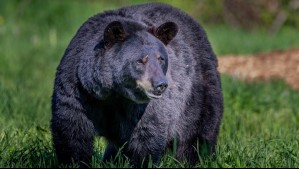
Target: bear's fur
(141, 76)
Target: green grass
(236, 41)
(260, 127)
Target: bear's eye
(143, 60)
(161, 59)
(139, 61)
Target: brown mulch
(264, 66)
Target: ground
(264, 66)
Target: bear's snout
(160, 87)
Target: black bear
(141, 76)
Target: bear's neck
(119, 104)
(110, 115)
(115, 106)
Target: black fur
(96, 90)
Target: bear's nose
(160, 87)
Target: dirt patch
(264, 66)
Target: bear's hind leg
(110, 153)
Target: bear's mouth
(153, 95)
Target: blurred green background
(261, 122)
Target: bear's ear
(166, 32)
(114, 33)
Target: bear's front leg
(193, 149)
(148, 142)
(73, 136)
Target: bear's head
(133, 61)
